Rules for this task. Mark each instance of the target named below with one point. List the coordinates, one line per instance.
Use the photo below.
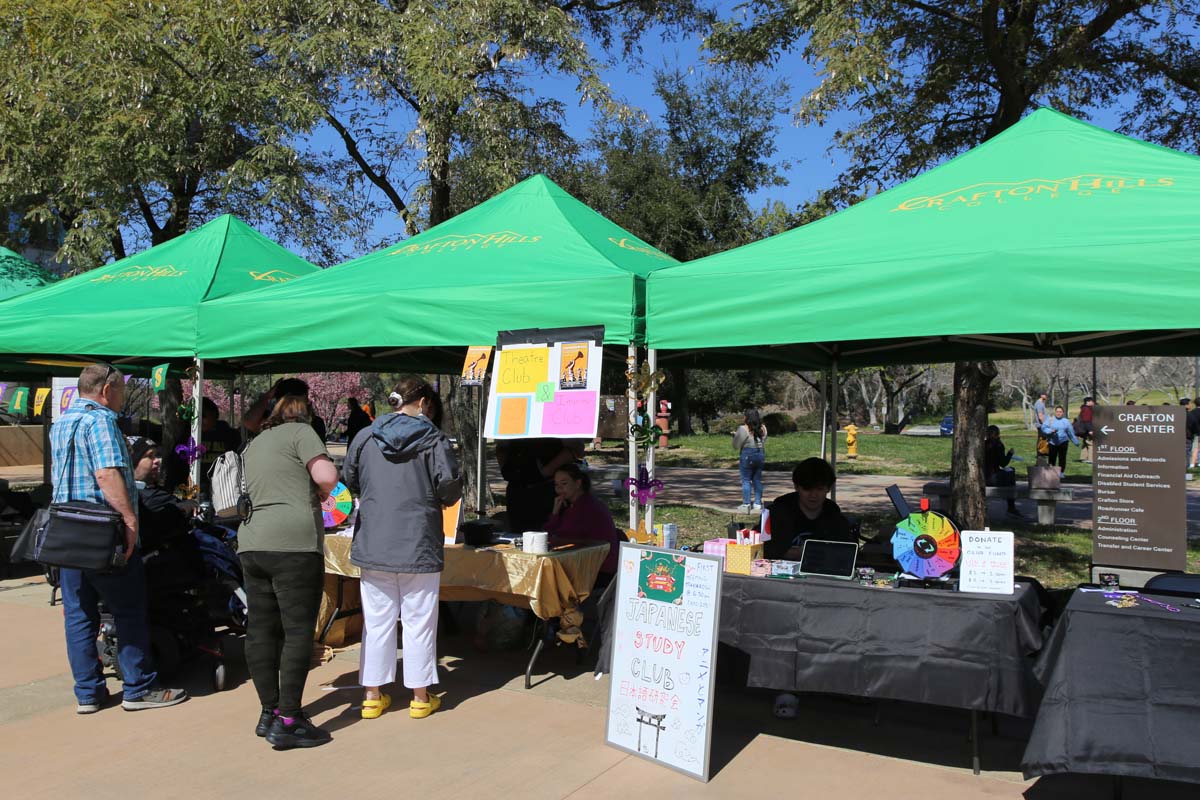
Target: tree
(927, 80)
(682, 183)
(895, 380)
(715, 392)
(140, 123)
(968, 497)
(327, 391)
(414, 89)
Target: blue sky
(805, 149)
(809, 169)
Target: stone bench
(1047, 499)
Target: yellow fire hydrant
(851, 441)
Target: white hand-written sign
(987, 562)
(664, 656)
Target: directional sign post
(1139, 505)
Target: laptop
(829, 559)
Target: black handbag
(80, 534)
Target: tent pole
(824, 412)
(631, 399)
(833, 422)
(47, 420)
(480, 444)
(651, 413)
(198, 417)
(229, 391)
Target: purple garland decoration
(642, 487)
(191, 451)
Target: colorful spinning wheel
(926, 544)
(337, 506)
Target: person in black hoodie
(806, 513)
(356, 420)
(404, 472)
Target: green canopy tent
(19, 275)
(146, 306)
(1055, 238)
(143, 309)
(531, 257)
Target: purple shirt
(588, 519)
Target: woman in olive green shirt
(288, 474)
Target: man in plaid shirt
(90, 462)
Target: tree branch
(1013, 95)
(373, 176)
(1084, 35)
(147, 212)
(404, 94)
(973, 24)
(588, 5)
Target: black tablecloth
(1122, 692)
(970, 651)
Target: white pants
(414, 599)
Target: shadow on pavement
(1103, 787)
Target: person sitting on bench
(806, 513)
(996, 471)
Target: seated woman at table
(528, 465)
(806, 513)
(404, 470)
(578, 516)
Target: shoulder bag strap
(71, 455)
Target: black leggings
(283, 596)
(1058, 455)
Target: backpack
(228, 481)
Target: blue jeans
(750, 466)
(124, 595)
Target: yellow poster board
(520, 370)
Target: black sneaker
(301, 733)
(156, 698)
(264, 723)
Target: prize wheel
(926, 544)
(337, 507)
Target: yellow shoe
(419, 710)
(373, 709)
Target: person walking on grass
(1058, 432)
(750, 440)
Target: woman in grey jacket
(404, 472)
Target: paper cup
(536, 542)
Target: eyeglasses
(107, 374)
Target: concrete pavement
(491, 739)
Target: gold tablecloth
(552, 585)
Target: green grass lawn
(878, 454)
